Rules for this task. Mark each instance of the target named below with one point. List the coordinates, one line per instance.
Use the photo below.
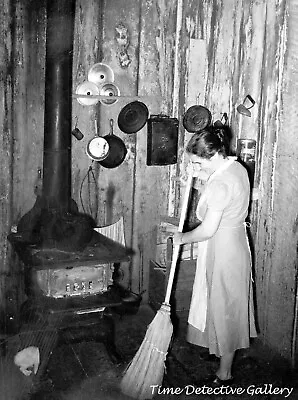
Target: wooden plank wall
(6, 100)
(288, 175)
(126, 190)
(158, 25)
(181, 53)
(277, 223)
(248, 47)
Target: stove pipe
(58, 104)
(54, 220)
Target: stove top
(100, 249)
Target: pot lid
(109, 89)
(88, 89)
(196, 118)
(133, 117)
(97, 149)
(100, 73)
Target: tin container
(246, 152)
(162, 140)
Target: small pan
(97, 148)
(117, 149)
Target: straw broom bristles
(147, 367)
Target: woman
(221, 313)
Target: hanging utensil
(76, 131)
(97, 148)
(117, 149)
(87, 89)
(196, 118)
(133, 117)
(100, 73)
(109, 89)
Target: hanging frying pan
(196, 118)
(97, 148)
(133, 117)
(117, 149)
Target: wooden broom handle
(177, 247)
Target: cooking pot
(130, 301)
(117, 149)
(97, 148)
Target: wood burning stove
(69, 267)
(73, 293)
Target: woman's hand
(177, 238)
(196, 171)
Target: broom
(145, 372)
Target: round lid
(109, 89)
(196, 118)
(133, 117)
(100, 73)
(97, 149)
(88, 89)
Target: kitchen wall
(180, 53)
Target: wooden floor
(84, 371)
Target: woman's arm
(204, 231)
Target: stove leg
(109, 341)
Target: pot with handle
(97, 148)
(117, 149)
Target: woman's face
(200, 163)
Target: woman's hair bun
(220, 134)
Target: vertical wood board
(158, 24)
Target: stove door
(74, 281)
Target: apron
(198, 306)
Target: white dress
(221, 314)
